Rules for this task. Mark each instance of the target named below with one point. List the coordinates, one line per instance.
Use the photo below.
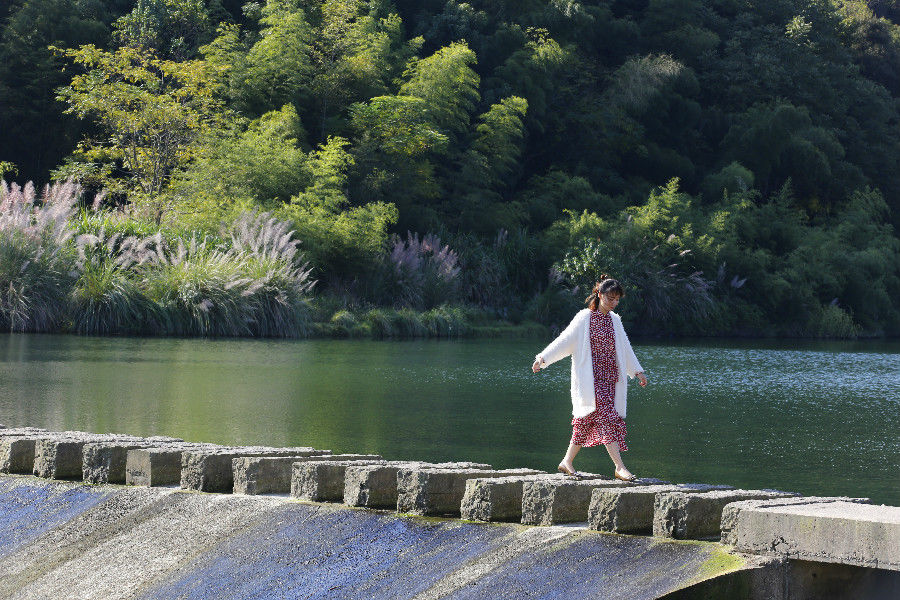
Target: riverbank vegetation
(378, 168)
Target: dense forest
(400, 167)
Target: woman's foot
(567, 469)
(625, 475)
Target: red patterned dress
(604, 425)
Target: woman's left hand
(642, 378)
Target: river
(813, 417)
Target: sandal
(628, 479)
(567, 472)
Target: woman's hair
(606, 285)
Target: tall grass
(254, 285)
(252, 281)
(35, 259)
(107, 297)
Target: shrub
(420, 273)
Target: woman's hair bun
(604, 276)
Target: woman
(601, 358)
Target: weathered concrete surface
(375, 486)
(272, 474)
(210, 470)
(731, 511)
(695, 516)
(554, 501)
(630, 509)
(839, 531)
(322, 481)
(104, 542)
(500, 498)
(61, 457)
(17, 449)
(158, 466)
(104, 462)
(436, 492)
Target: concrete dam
(112, 516)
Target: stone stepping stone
(61, 457)
(555, 501)
(210, 470)
(436, 492)
(158, 466)
(375, 486)
(694, 516)
(272, 474)
(105, 462)
(323, 481)
(17, 447)
(500, 498)
(630, 509)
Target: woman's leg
(570, 456)
(616, 457)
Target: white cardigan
(575, 341)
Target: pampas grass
(35, 259)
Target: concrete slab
(323, 481)
(104, 462)
(630, 509)
(436, 492)
(848, 533)
(731, 511)
(211, 470)
(375, 486)
(272, 474)
(500, 498)
(552, 502)
(158, 466)
(695, 516)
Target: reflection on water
(818, 418)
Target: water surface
(813, 417)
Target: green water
(813, 417)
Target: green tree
(173, 28)
(152, 112)
(449, 86)
(341, 240)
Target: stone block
(323, 481)
(157, 466)
(17, 454)
(840, 531)
(61, 457)
(375, 486)
(18, 447)
(694, 516)
(555, 501)
(435, 492)
(498, 498)
(211, 470)
(630, 509)
(105, 462)
(272, 474)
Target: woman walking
(601, 358)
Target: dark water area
(813, 417)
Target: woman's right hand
(536, 366)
